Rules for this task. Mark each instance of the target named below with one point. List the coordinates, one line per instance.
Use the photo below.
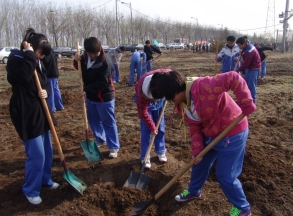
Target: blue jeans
(101, 117)
(263, 70)
(54, 100)
(229, 156)
(251, 78)
(39, 152)
(116, 75)
(154, 110)
(136, 65)
(148, 66)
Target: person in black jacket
(148, 50)
(99, 91)
(263, 57)
(27, 113)
(55, 99)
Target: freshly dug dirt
(267, 175)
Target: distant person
(27, 113)
(99, 92)
(287, 45)
(54, 99)
(208, 109)
(149, 110)
(149, 50)
(229, 55)
(263, 58)
(250, 63)
(135, 65)
(115, 56)
(204, 47)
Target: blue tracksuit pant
(39, 152)
(251, 78)
(116, 76)
(229, 153)
(134, 65)
(148, 65)
(101, 117)
(263, 70)
(154, 110)
(54, 99)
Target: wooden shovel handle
(82, 98)
(154, 136)
(200, 155)
(217, 50)
(49, 118)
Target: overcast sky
(248, 16)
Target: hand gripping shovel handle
(200, 155)
(150, 61)
(237, 62)
(49, 118)
(153, 136)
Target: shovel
(77, 184)
(89, 147)
(217, 50)
(141, 207)
(140, 180)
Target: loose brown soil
(267, 176)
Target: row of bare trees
(66, 25)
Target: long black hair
(37, 41)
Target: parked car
(106, 48)
(60, 51)
(75, 50)
(175, 46)
(4, 53)
(132, 47)
(160, 46)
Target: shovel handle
(82, 98)
(217, 50)
(200, 155)
(153, 136)
(49, 118)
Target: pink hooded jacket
(216, 109)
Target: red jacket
(143, 102)
(251, 59)
(216, 109)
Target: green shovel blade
(91, 151)
(74, 181)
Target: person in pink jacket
(208, 110)
(149, 110)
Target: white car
(4, 53)
(174, 46)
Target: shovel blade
(137, 181)
(91, 151)
(77, 184)
(141, 207)
(132, 180)
(143, 181)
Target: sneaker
(99, 144)
(186, 195)
(34, 200)
(162, 158)
(237, 212)
(113, 154)
(114, 81)
(147, 164)
(54, 186)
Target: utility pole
(285, 26)
(125, 3)
(117, 31)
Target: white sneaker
(34, 200)
(99, 144)
(162, 158)
(147, 164)
(54, 186)
(113, 154)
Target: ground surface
(267, 176)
